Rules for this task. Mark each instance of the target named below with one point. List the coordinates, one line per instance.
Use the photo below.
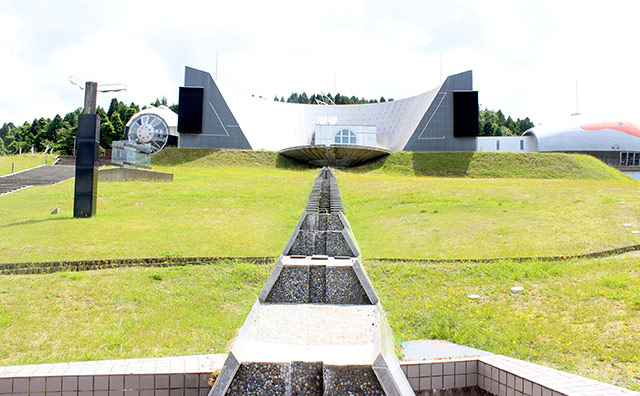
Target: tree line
(319, 99)
(58, 134)
(493, 123)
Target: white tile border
(188, 374)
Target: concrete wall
(435, 130)
(512, 144)
(219, 127)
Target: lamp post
(87, 148)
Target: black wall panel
(465, 114)
(190, 109)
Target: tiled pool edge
(502, 376)
(183, 376)
(188, 376)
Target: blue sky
(526, 55)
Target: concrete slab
(333, 334)
(437, 349)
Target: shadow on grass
(284, 162)
(372, 165)
(175, 156)
(442, 164)
(27, 222)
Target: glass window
(522, 145)
(345, 136)
(497, 145)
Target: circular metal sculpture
(149, 128)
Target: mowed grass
(492, 165)
(427, 217)
(212, 210)
(22, 162)
(220, 211)
(125, 313)
(580, 315)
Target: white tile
(527, 387)
(511, 380)
(518, 383)
(413, 371)
(425, 383)
(537, 390)
(425, 370)
(449, 381)
(449, 368)
(436, 382)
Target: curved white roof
(163, 112)
(587, 136)
(272, 125)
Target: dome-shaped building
(616, 143)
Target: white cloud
(526, 55)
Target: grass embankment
(22, 162)
(172, 156)
(493, 165)
(418, 217)
(581, 316)
(213, 208)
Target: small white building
(356, 135)
(512, 144)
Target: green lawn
(22, 162)
(203, 212)
(581, 316)
(250, 211)
(428, 217)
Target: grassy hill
(172, 156)
(494, 165)
(245, 203)
(457, 164)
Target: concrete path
(44, 175)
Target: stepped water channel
(317, 327)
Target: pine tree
(118, 126)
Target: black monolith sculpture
(87, 151)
